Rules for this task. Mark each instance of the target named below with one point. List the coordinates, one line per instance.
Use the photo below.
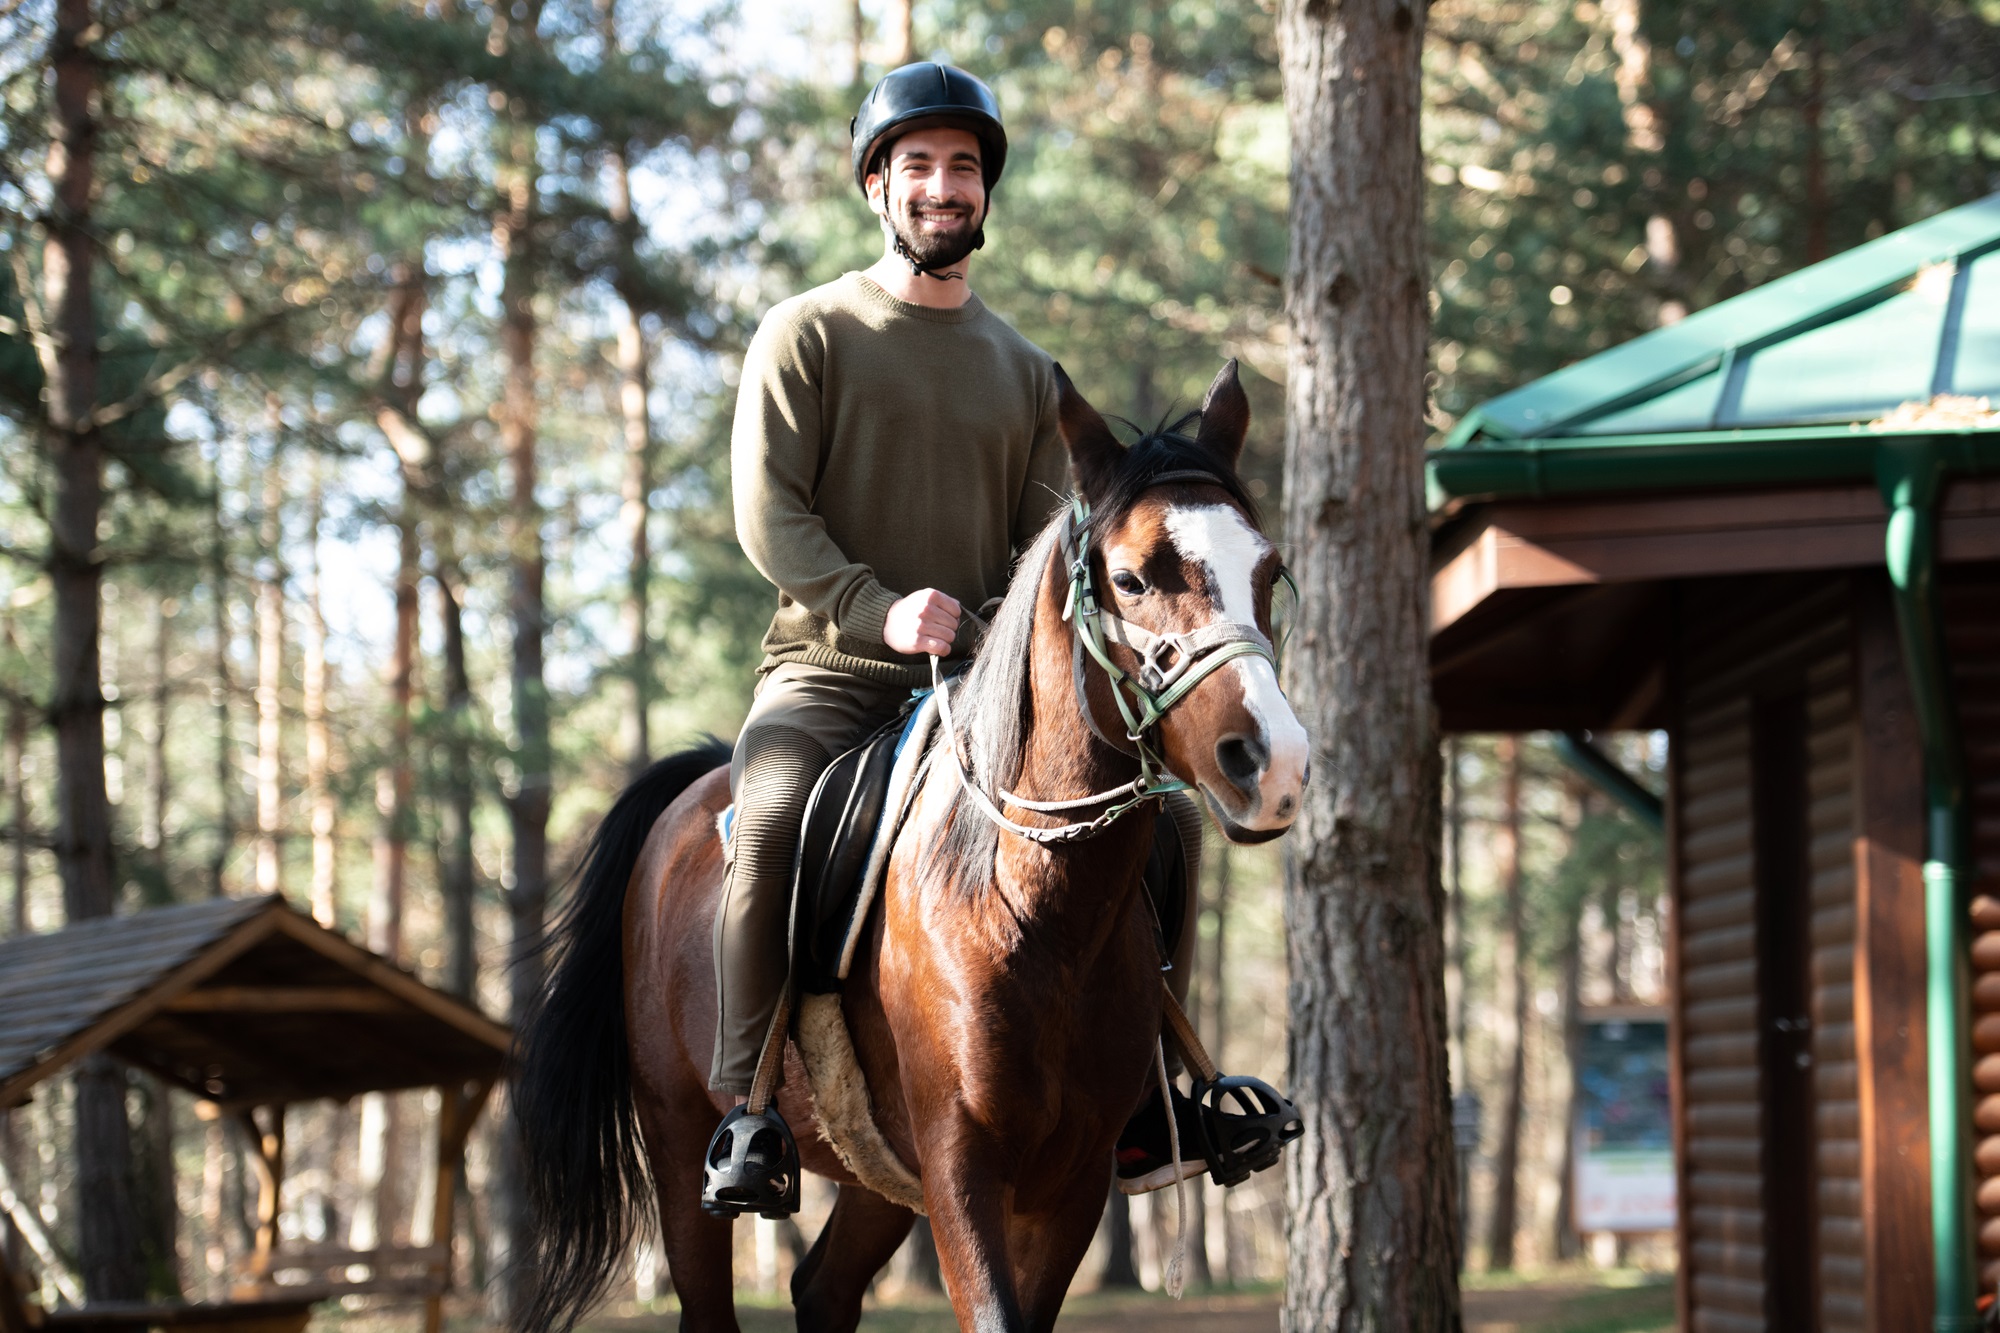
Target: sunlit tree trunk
(15, 761)
(1371, 1235)
(319, 730)
(107, 1237)
(271, 664)
(153, 811)
(638, 482)
(225, 760)
(900, 22)
(457, 872)
(528, 802)
(1513, 1008)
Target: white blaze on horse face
(1222, 542)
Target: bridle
(1170, 666)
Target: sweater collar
(871, 291)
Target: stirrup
(1245, 1125)
(752, 1167)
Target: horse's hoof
(752, 1166)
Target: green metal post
(1911, 473)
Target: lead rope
(1176, 1275)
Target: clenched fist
(923, 622)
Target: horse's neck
(1079, 892)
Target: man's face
(933, 194)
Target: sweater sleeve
(774, 457)
(1047, 486)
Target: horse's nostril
(1242, 760)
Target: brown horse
(1005, 1001)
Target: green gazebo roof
(1808, 360)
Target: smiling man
(895, 445)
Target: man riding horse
(895, 446)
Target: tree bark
(153, 817)
(457, 875)
(107, 1233)
(638, 486)
(528, 802)
(901, 22)
(319, 730)
(1455, 898)
(225, 764)
(17, 793)
(1370, 1186)
(1121, 1272)
(1513, 985)
(271, 664)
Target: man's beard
(934, 249)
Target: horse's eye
(1128, 583)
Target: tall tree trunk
(902, 38)
(1567, 1243)
(16, 793)
(528, 803)
(394, 781)
(271, 664)
(225, 761)
(1513, 985)
(1371, 1237)
(1214, 1017)
(153, 816)
(1121, 1271)
(857, 22)
(108, 1236)
(319, 730)
(457, 877)
(638, 487)
(1454, 806)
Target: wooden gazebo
(1773, 529)
(252, 1007)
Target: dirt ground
(1612, 1303)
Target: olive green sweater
(880, 448)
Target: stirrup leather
(752, 1167)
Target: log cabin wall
(1971, 597)
(1764, 899)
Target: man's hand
(923, 622)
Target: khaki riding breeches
(802, 717)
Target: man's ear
(1225, 417)
(1094, 452)
(876, 186)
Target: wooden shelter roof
(243, 1001)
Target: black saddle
(842, 817)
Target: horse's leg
(697, 1246)
(858, 1238)
(1048, 1248)
(964, 1191)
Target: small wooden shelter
(251, 1006)
(1773, 529)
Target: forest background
(365, 379)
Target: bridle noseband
(1171, 665)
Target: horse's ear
(1094, 452)
(1225, 416)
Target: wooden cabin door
(1778, 764)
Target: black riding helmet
(925, 94)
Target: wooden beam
(1628, 539)
(287, 1000)
(458, 1109)
(267, 1160)
(397, 982)
(143, 1006)
(1890, 973)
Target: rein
(1171, 665)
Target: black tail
(586, 1176)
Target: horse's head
(1176, 551)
